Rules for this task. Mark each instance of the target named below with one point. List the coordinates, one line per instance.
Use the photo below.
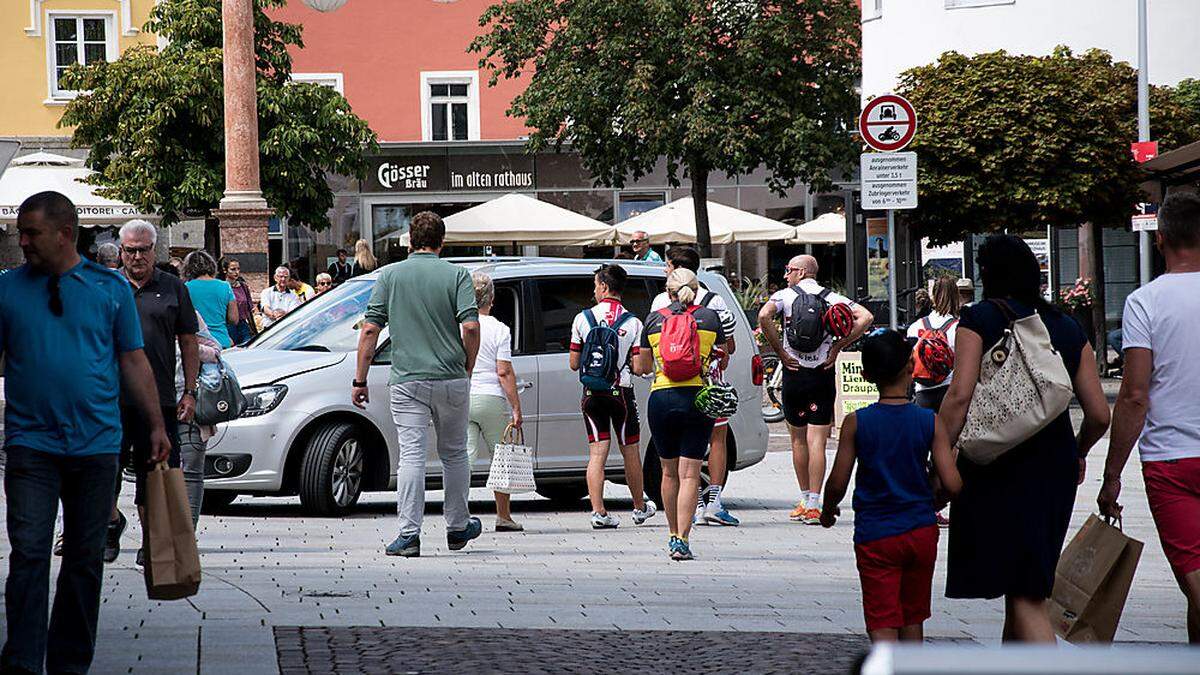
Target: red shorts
(897, 577)
(1173, 490)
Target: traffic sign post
(889, 178)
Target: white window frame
(467, 77)
(872, 10)
(335, 81)
(111, 51)
(966, 4)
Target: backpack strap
(927, 323)
(707, 298)
(824, 294)
(591, 318)
(625, 316)
(949, 322)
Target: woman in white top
(943, 318)
(494, 399)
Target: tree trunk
(699, 175)
(1091, 266)
(212, 237)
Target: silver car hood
(263, 366)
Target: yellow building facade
(41, 38)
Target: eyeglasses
(638, 241)
(789, 269)
(324, 283)
(135, 251)
(56, 303)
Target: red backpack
(934, 355)
(679, 344)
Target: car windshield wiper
(311, 348)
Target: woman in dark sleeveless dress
(1008, 524)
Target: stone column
(243, 213)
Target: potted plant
(1078, 301)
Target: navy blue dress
(1008, 524)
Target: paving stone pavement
(267, 565)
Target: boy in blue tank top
(895, 527)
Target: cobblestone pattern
(366, 649)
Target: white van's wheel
(331, 474)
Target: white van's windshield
(327, 323)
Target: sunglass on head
(56, 303)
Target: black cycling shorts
(679, 429)
(808, 396)
(617, 411)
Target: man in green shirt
(435, 337)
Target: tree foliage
(154, 120)
(1023, 142)
(709, 85)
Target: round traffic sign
(888, 123)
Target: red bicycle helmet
(935, 359)
(839, 320)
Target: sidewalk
(270, 570)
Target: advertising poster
(877, 258)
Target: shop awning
(676, 222)
(525, 220)
(1180, 166)
(828, 228)
(40, 171)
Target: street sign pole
(893, 312)
(1143, 107)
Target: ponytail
(682, 286)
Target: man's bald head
(807, 264)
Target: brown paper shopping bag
(172, 567)
(1092, 582)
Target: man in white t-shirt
(276, 301)
(709, 509)
(1158, 407)
(809, 384)
(615, 407)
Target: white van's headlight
(263, 399)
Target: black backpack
(806, 325)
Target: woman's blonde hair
(682, 285)
(485, 291)
(946, 300)
(363, 255)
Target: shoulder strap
(824, 293)
(949, 322)
(1004, 308)
(624, 316)
(927, 323)
(666, 312)
(590, 316)
(707, 298)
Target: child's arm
(943, 461)
(839, 475)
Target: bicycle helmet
(935, 359)
(717, 400)
(839, 320)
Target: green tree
(709, 85)
(154, 120)
(1023, 142)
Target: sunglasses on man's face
(638, 241)
(135, 251)
(324, 283)
(789, 270)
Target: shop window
(450, 106)
(77, 39)
(634, 204)
(334, 81)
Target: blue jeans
(240, 332)
(34, 482)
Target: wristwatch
(358, 383)
(190, 392)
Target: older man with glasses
(70, 334)
(641, 248)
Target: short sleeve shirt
(165, 310)
(274, 299)
(946, 324)
(495, 345)
(708, 324)
(211, 297)
(62, 375)
(1164, 317)
(628, 334)
(783, 299)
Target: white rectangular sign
(889, 180)
(1145, 223)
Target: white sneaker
(606, 521)
(642, 515)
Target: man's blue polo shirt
(61, 374)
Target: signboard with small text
(853, 391)
(889, 180)
(1145, 218)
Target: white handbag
(511, 471)
(1023, 386)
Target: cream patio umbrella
(676, 222)
(525, 220)
(42, 171)
(828, 228)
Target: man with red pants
(1157, 407)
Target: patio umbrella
(828, 228)
(525, 220)
(40, 171)
(676, 222)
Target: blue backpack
(599, 361)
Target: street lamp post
(1143, 109)
(242, 213)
